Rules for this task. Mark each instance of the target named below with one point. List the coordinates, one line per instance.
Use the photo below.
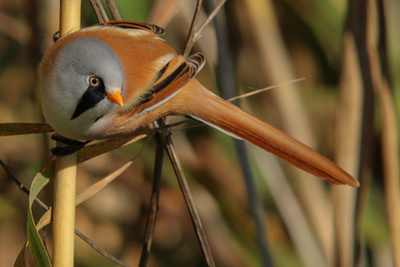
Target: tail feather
(207, 107)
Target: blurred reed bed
(345, 108)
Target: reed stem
(65, 178)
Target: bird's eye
(94, 81)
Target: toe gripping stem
(71, 145)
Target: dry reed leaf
(348, 132)
(390, 144)
(290, 209)
(361, 80)
(89, 152)
(99, 185)
(20, 260)
(94, 150)
(258, 20)
(389, 131)
(36, 244)
(45, 219)
(24, 128)
(87, 193)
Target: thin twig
(21, 185)
(114, 10)
(190, 40)
(99, 249)
(151, 219)
(198, 32)
(264, 89)
(169, 146)
(99, 10)
(165, 134)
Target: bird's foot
(71, 145)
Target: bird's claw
(71, 145)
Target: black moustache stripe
(90, 99)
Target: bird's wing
(171, 79)
(196, 63)
(137, 25)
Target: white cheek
(67, 89)
(103, 107)
(58, 107)
(98, 129)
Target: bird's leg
(56, 36)
(71, 145)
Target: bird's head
(81, 82)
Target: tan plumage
(155, 82)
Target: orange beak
(116, 98)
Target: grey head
(89, 69)
(86, 69)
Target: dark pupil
(94, 81)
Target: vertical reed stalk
(65, 178)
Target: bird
(115, 78)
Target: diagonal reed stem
(190, 39)
(113, 9)
(99, 10)
(201, 236)
(151, 219)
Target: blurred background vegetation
(334, 110)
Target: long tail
(203, 105)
